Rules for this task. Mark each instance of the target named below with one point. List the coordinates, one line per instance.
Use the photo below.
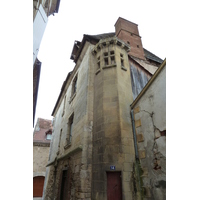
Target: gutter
(134, 135)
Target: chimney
(128, 32)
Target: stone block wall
(112, 132)
(40, 158)
(81, 106)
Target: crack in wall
(157, 134)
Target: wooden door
(38, 184)
(65, 186)
(114, 186)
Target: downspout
(137, 163)
(134, 135)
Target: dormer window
(49, 136)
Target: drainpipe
(136, 154)
(134, 135)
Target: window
(49, 136)
(64, 107)
(112, 57)
(109, 59)
(74, 88)
(98, 62)
(70, 127)
(60, 138)
(69, 131)
(75, 85)
(65, 185)
(98, 65)
(122, 62)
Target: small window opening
(119, 43)
(122, 62)
(112, 53)
(49, 136)
(106, 61)
(106, 54)
(71, 119)
(98, 62)
(104, 44)
(128, 42)
(138, 46)
(112, 59)
(74, 86)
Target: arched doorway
(38, 184)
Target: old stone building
(92, 153)
(41, 144)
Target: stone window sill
(109, 66)
(122, 67)
(97, 71)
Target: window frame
(74, 87)
(109, 59)
(69, 130)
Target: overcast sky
(76, 18)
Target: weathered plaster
(150, 109)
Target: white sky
(89, 17)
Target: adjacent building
(148, 113)
(93, 149)
(42, 9)
(41, 144)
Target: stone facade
(41, 146)
(92, 129)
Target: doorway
(114, 186)
(38, 184)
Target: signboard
(112, 167)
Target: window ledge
(71, 99)
(98, 71)
(122, 67)
(109, 66)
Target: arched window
(38, 184)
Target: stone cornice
(110, 41)
(41, 144)
(75, 150)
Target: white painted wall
(39, 26)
